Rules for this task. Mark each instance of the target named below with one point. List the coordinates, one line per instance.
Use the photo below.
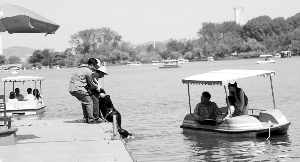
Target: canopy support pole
(40, 87)
(227, 100)
(189, 98)
(4, 107)
(272, 91)
(13, 87)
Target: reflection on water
(238, 149)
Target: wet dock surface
(66, 140)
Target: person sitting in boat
(12, 97)
(38, 96)
(207, 109)
(231, 111)
(19, 96)
(30, 96)
(240, 99)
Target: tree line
(260, 35)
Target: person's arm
(89, 80)
(197, 115)
(216, 111)
(242, 100)
(96, 81)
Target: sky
(138, 21)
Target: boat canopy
(263, 56)
(169, 60)
(22, 79)
(223, 77)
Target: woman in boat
(240, 99)
(38, 96)
(12, 97)
(233, 109)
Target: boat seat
(25, 104)
(242, 122)
(11, 105)
(275, 116)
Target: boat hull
(265, 62)
(28, 111)
(242, 126)
(161, 67)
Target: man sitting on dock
(206, 109)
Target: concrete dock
(64, 140)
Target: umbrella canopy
(16, 19)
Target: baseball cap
(102, 69)
(98, 62)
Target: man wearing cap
(81, 82)
(99, 73)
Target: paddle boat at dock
(269, 122)
(22, 107)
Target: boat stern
(275, 116)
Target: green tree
(89, 41)
(14, 60)
(279, 26)
(294, 21)
(37, 56)
(258, 28)
(188, 55)
(2, 59)
(175, 55)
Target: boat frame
(24, 111)
(267, 59)
(170, 64)
(266, 123)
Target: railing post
(115, 129)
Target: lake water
(153, 103)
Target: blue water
(153, 103)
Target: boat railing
(255, 110)
(21, 105)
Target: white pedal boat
(266, 123)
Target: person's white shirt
(29, 97)
(40, 100)
(12, 100)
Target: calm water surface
(153, 103)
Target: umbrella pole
(4, 107)
(189, 98)
(272, 91)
